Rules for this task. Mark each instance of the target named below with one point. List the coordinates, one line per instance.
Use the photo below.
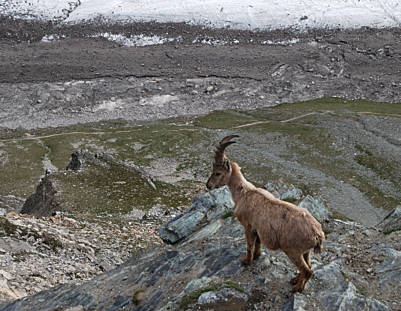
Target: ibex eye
(217, 174)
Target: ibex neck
(238, 184)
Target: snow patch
(39, 9)
(283, 42)
(236, 14)
(137, 40)
(250, 15)
(109, 105)
(158, 100)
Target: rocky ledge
(200, 268)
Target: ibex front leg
(253, 245)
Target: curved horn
(220, 156)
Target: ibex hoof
(245, 261)
(297, 288)
(294, 280)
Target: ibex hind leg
(305, 273)
(257, 249)
(307, 259)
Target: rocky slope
(358, 270)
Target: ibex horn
(220, 156)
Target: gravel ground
(81, 79)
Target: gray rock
(295, 303)
(330, 274)
(276, 187)
(75, 162)
(389, 270)
(392, 221)
(15, 247)
(294, 194)
(44, 202)
(315, 207)
(222, 296)
(181, 227)
(206, 207)
(195, 285)
(342, 298)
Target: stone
(392, 221)
(75, 162)
(315, 207)
(295, 303)
(224, 296)
(389, 269)
(205, 208)
(195, 285)
(181, 227)
(291, 195)
(44, 201)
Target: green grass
(188, 143)
(223, 119)
(228, 215)
(109, 188)
(339, 104)
(21, 166)
(392, 230)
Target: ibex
(275, 223)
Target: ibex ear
(227, 165)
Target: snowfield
(236, 14)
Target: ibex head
(221, 167)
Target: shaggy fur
(275, 223)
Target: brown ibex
(275, 223)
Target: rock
(206, 231)
(195, 285)
(392, 221)
(206, 207)
(389, 269)
(276, 187)
(224, 298)
(315, 207)
(291, 195)
(75, 162)
(15, 247)
(44, 201)
(342, 298)
(181, 227)
(295, 303)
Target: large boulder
(315, 207)
(205, 208)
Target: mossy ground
(193, 297)
(188, 143)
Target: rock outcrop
(44, 202)
(358, 270)
(392, 221)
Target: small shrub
(228, 214)
(136, 297)
(192, 297)
(392, 230)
